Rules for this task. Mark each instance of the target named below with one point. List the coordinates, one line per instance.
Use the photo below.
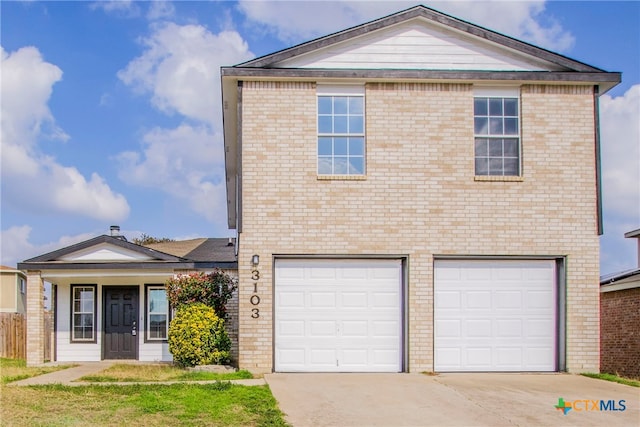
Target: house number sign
(255, 298)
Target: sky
(111, 112)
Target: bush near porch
(197, 335)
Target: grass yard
(214, 404)
(614, 378)
(16, 369)
(123, 372)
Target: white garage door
(338, 315)
(495, 315)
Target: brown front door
(120, 322)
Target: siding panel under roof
(418, 44)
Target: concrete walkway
(70, 376)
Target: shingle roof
(185, 254)
(201, 250)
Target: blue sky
(111, 109)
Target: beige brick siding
(419, 198)
(35, 319)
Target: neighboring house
(416, 193)
(13, 290)
(620, 320)
(108, 295)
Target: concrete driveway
(451, 400)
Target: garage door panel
(385, 300)
(385, 329)
(322, 328)
(354, 299)
(292, 356)
(478, 299)
(509, 328)
(539, 328)
(509, 358)
(507, 312)
(450, 328)
(508, 300)
(478, 328)
(292, 328)
(478, 358)
(322, 300)
(449, 357)
(292, 300)
(448, 299)
(355, 328)
(351, 315)
(539, 356)
(323, 357)
(536, 300)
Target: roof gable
(103, 249)
(109, 252)
(419, 44)
(105, 252)
(419, 38)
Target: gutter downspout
(596, 111)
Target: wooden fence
(13, 335)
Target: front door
(120, 322)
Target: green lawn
(214, 404)
(614, 378)
(123, 372)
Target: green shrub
(197, 337)
(213, 289)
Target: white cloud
(620, 136)
(17, 247)
(125, 8)
(181, 69)
(300, 21)
(186, 162)
(160, 9)
(620, 133)
(31, 180)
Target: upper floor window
(341, 131)
(23, 285)
(83, 313)
(497, 134)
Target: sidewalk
(70, 376)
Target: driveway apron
(449, 400)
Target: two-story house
(416, 193)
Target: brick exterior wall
(419, 198)
(35, 319)
(620, 332)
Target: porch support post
(35, 318)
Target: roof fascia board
(632, 234)
(431, 15)
(622, 285)
(149, 265)
(612, 78)
(48, 257)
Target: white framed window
(157, 313)
(496, 120)
(23, 285)
(83, 313)
(341, 135)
